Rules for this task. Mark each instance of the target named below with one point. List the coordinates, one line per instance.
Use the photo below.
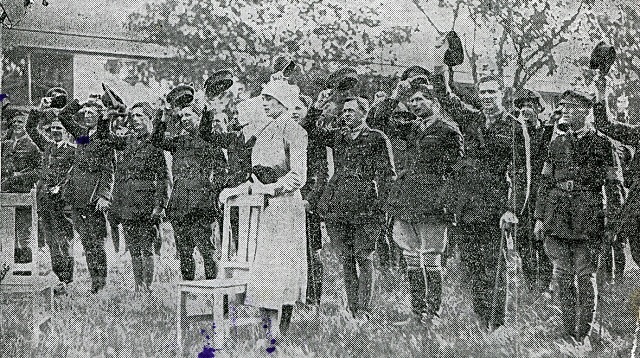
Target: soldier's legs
(383, 246)
(434, 237)
(202, 234)
(407, 239)
(314, 264)
(630, 231)
(91, 226)
(586, 263)
(342, 235)
(185, 245)
(364, 237)
(561, 253)
(480, 253)
(58, 232)
(139, 235)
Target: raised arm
(157, 137)
(623, 132)
(463, 113)
(32, 130)
(68, 122)
(214, 136)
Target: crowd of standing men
(418, 171)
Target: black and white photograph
(319, 178)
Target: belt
(571, 185)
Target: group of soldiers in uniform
(418, 172)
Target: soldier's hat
(343, 79)
(181, 96)
(11, 112)
(602, 57)
(111, 100)
(285, 65)
(58, 97)
(218, 82)
(454, 55)
(526, 95)
(577, 97)
(419, 77)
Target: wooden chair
(234, 265)
(23, 279)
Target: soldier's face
(19, 124)
(490, 95)
(299, 113)
(140, 122)
(272, 107)
(56, 131)
(188, 118)
(90, 116)
(575, 114)
(352, 114)
(422, 106)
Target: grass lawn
(117, 323)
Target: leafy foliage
(247, 35)
(523, 34)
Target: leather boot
(147, 271)
(138, 272)
(434, 293)
(567, 302)
(418, 290)
(587, 292)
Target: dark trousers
(140, 235)
(480, 253)
(576, 262)
(357, 244)
(314, 264)
(630, 230)
(537, 269)
(91, 226)
(58, 233)
(191, 231)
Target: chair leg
(35, 322)
(218, 319)
(182, 310)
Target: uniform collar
(357, 131)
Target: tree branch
(419, 7)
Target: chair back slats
(8, 204)
(238, 256)
(7, 235)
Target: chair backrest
(240, 233)
(9, 202)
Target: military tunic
(56, 226)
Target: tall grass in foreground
(117, 323)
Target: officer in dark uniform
(141, 193)
(21, 162)
(493, 183)
(419, 199)
(56, 167)
(570, 210)
(198, 174)
(352, 202)
(90, 187)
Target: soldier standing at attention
(198, 177)
(56, 166)
(570, 210)
(91, 181)
(353, 200)
(141, 193)
(493, 183)
(419, 198)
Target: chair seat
(228, 285)
(27, 284)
